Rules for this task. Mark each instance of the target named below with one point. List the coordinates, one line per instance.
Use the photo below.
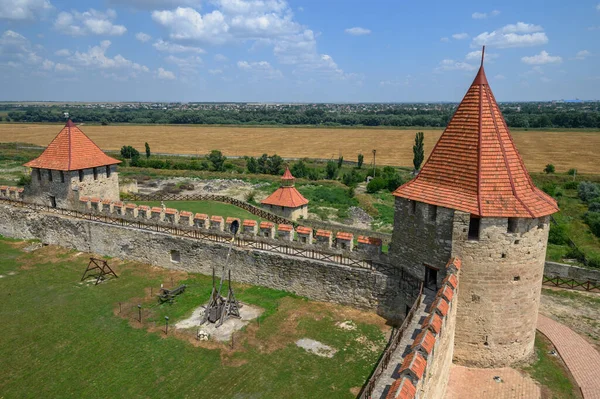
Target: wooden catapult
(219, 308)
(103, 270)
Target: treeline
(526, 117)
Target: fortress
(471, 221)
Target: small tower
(72, 166)
(475, 200)
(286, 200)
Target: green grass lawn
(64, 339)
(551, 373)
(209, 207)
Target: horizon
(307, 52)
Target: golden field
(568, 149)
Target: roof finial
(482, 55)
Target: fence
(244, 243)
(393, 343)
(572, 284)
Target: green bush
(594, 206)
(558, 234)
(588, 191)
(549, 168)
(571, 185)
(331, 170)
(575, 253)
(572, 172)
(593, 260)
(593, 220)
(376, 184)
(24, 180)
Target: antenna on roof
(482, 55)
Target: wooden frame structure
(103, 270)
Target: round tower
(494, 219)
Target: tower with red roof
(475, 200)
(286, 200)
(72, 166)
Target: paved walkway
(391, 373)
(582, 359)
(474, 383)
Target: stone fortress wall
(67, 186)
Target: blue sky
(296, 50)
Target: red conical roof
(287, 175)
(71, 149)
(286, 195)
(475, 166)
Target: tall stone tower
(474, 199)
(72, 166)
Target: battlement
(323, 239)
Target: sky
(296, 50)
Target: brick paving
(582, 359)
(474, 383)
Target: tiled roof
(185, 214)
(201, 216)
(452, 280)
(303, 230)
(250, 223)
(143, 208)
(3, 187)
(369, 240)
(416, 363)
(402, 388)
(20, 189)
(475, 166)
(117, 203)
(216, 218)
(95, 200)
(106, 201)
(440, 305)
(71, 149)
(230, 220)
(425, 340)
(433, 322)
(344, 236)
(84, 199)
(170, 211)
(285, 227)
(456, 262)
(446, 292)
(287, 175)
(323, 233)
(266, 225)
(285, 196)
(131, 206)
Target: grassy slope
(61, 339)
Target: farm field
(63, 338)
(564, 149)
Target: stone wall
(67, 186)
(289, 213)
(383, 290)
(553, 269)
(501, 282)
(422, 237)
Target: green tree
(252, 165)
(147, 150)
(129, 152)
(340, 162)
(217, 159)
(549, 168)
(361, 159)
(331, 170)
(263, 164)
(275, 164)
(299, 169)
(418, 151)
(376, 184)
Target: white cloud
(187, 65)
(357, 31)
(16, 50)
(188, 24)
(62, 53)
(452, 65)
(47, 65)
(143, 37)
(19, 10)
(154, 4)
(598, 7)
(499, 77)
(476, 55)
(444, 40)
(545, 79)
(512, 35)
(483, 15)
(91, 22)
(262, 68)
(592, 28)
(397, 82)
(96, 57)
(164, 74)
(460, 36)
(220, 58)
(582, 55)
(215, 71)
(63, 68)
(542, 58)
(169, 47)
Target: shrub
(314, 173)
(549, 168)
(594, 206)
(572, 172)
(588, 191)
(550, 189)
(299, 169)
(593, 260)
(252, 165)
(331, 170)
(376, 184)
(394, 182)
(575, 253)
(24, 180)
(129, 152)
(217, 159)
(593, 220)
(361, 159)
(250, 196)
(340, 162)
(571, 185)
(558, 235)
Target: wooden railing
(588, 285)
(189, 232)
(392, 345)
